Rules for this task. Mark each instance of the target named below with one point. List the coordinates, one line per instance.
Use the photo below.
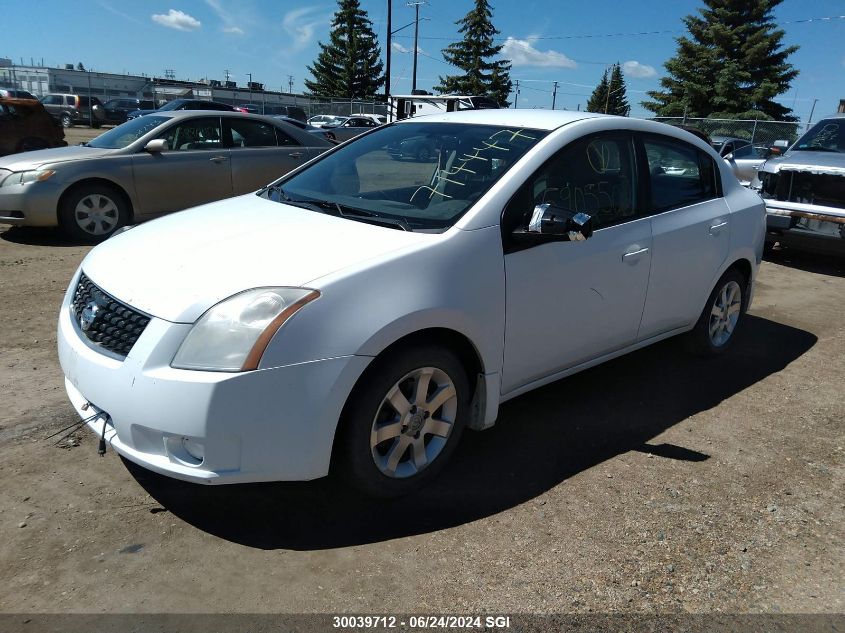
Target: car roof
(510, 117)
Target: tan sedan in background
(147, 167)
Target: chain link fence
(343, 107)
(754, 131)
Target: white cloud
(404, 49)
(230, 21)
(178, 20)
(301, 24)
(636, 69)
(522, 53)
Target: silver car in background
(149, 166)
(746, 160)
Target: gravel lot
(655, 483)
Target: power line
(829, 18)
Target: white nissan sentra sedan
(361, 312)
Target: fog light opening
(194, 449)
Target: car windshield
(828, 135)
(419, 175)
(126, 134)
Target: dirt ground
(655, 483)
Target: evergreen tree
(350, 64)
(732, 63)
(599, 97)
(618, 102)
(610, 96)
(482, 75)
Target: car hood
(34, 160)
(177, 267)
(813, 162)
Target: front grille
(104, 320)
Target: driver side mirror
(550, 223)
(156, 146)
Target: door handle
(634, 254)
(716, 228)
(295, 154)
(218, 159)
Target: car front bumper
(266, 425)
(32, 204)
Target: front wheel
(91, 213)
(716, 328)
(403, 421)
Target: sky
(567, 41)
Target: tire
(385, 453)
(66, 120)
(714, 333)
(96, 125)
(91, 213)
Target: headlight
(233, 335)
(23, 177)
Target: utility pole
(290, 84)
(387, 58)
(249, 85)
(416, 4)
(90, 107)
(554, 95)
(516, 94)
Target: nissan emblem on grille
(89, 315)
(104, 320)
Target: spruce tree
(732, 63)
(618, 101)
(599, 97)
(473, 55)
(349, 66)
(610, 96)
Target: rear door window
(679, 174)
(248, 133)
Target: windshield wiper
(336, 209)
(354, 213)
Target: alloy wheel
(413, 422)
(725, 313)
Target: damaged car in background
(804, 190)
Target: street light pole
(249, 85)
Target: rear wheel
(92, 213)
(404, 421)
(716, 328)
(66, 120)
